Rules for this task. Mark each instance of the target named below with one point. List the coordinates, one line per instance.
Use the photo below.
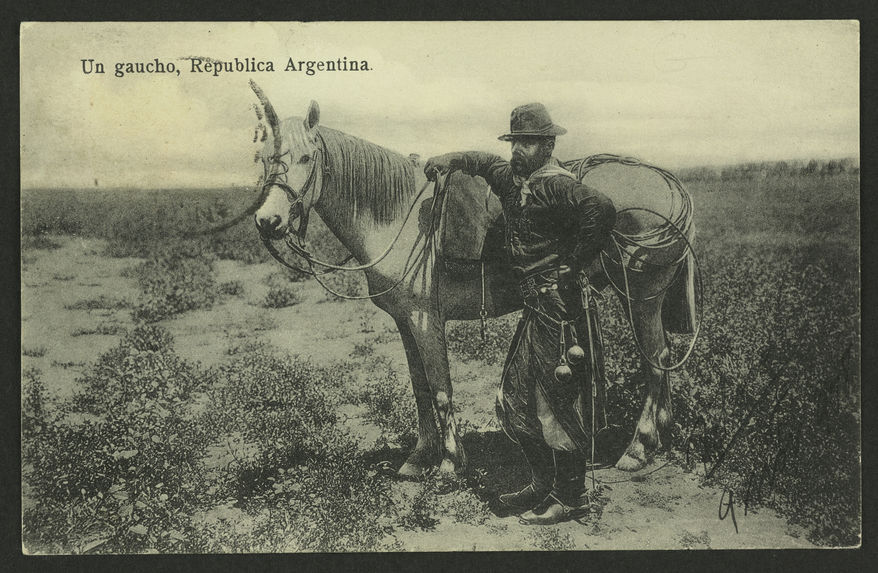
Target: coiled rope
(658, 238)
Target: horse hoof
(410, 470)
(628, 463)
(447, 467)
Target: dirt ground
(662, 507)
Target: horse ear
(313, 116)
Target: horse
(367, 196)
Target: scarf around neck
(550, 169)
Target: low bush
(344, 283)
(280, 405)
(174, 283)
(284, 276)
(464, 339)
(116, 469)
(769, 397)
(33, 351)
(232, 288)
(363, 350)
(295, 458)
(282, 296)
(102, 329)
(388, 401)
(552, 539)
(101, 302)
(38, 242)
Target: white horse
(368, 197)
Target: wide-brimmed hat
(531, 119)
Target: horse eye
(305, 159)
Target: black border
(726, 560)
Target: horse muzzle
(270, 226)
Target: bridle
(295, 237)
(278, 178)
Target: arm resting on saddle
(494, 169)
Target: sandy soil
(662, 507)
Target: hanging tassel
(563, 373)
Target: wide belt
(545, 281)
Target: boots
(565, 501)
(539, 457)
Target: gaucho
(554, 228)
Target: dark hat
(531, 119)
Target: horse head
(294, 161)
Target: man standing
(555, 228)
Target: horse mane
(370, 179)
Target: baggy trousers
(531, 402)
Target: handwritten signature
(769, 462)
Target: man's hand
(439, 165)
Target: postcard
(439, 286)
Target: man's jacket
(551, 219)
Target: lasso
(660, 237)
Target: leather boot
(539, 457)
(566, 500)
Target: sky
(676, 94)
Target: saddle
(471, 226)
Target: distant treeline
(770, 169)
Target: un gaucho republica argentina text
(249, 65)
(210, 66)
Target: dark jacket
(563, 222)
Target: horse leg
(427, 450)
(664, 409)
(656, 407)
(429, 334)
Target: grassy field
(171, 401)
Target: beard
(519, 166)
(524, 166)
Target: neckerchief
(551, 168)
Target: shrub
(464, 339)
(552, 539)
(281, 297)
(232, 288)
(334, 502)
(364, 350)
(419, 510)
(245, 344)
(690, 540)
(173, 283)
(102, 329)
(279, 405)
(117, 469)
(33, 351)
(101, 302)
(33, 406)
(766, 399)
(38, 242)
(345, 283)
(388, 402)
(296, 460)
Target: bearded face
(530, 153)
